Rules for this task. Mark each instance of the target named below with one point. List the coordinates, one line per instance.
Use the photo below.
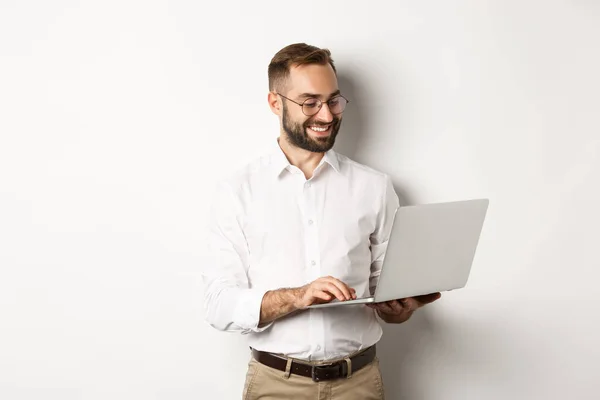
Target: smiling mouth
(319, 129)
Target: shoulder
(240, 182)
(251, 170)
(369, 179)
(356, 170)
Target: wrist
(297, 295)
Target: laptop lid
(431, 248)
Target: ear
(274, 103)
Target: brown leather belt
(324, 372)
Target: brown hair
(294, 55)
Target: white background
(118, 117)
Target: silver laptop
(431, 249)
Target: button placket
(311, 233)
(311, 240)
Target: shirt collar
(278, 159)
(332, 159)
(280, 162)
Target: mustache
(333, 122)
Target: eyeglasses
(312, 106)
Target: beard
(297, 133)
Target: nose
(324, 114)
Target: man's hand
(279, 303)
(398, 311)
(323, 290)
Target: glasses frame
(320, 104)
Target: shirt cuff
(247, 311)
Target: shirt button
(310, 221)
(313, 262)
(307, 184)
(318, 347)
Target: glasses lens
(337, 105)
(311, 106)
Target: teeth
(316, 129)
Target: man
(300, 226)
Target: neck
(305, 160)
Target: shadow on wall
(355, 122)
(399, 342)
(354, 134)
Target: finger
(345, 289)
(317, 297)
(333, 289)
(321, 295)
(324, 284)
(342, 287)
(431, 296)
(396, 307)
(409, 304)
(428, 298)
(385, 308)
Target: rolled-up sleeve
(381, 235)
(230, 304)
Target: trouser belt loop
(349, 362)
(288, 368)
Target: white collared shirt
(271, 228)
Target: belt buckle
(329, 372)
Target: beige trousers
(267, 383)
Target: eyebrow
(317, 95)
